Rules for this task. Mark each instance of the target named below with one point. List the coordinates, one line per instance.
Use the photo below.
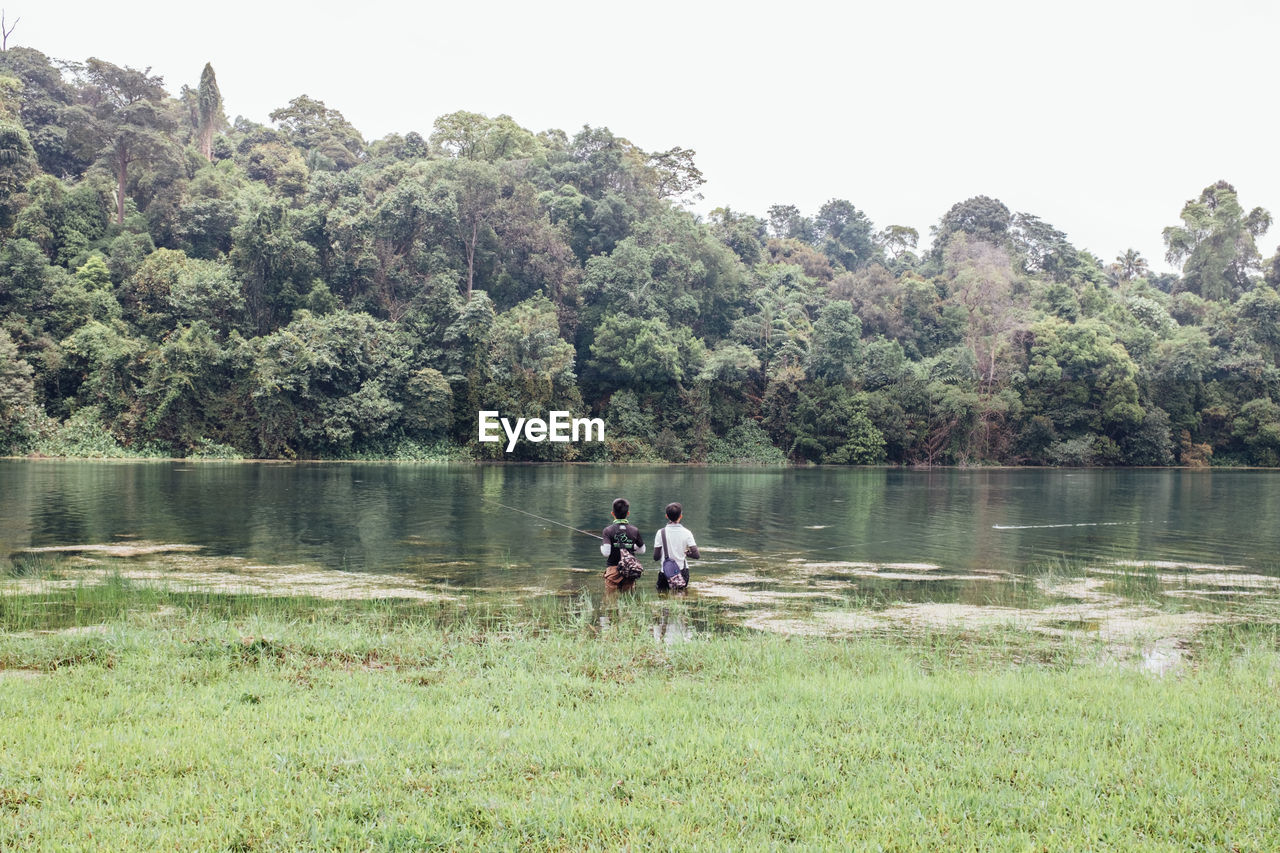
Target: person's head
(674, 511)
(620, 508)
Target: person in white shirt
(680, 540)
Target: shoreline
(577, 463)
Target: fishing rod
(754, 558)
(547, 520)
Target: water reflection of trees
(446, 522)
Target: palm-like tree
(1130, 265)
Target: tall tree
(274, 263)
(479, 190)
(675, 173)
(980, 278)
(17, 157)
(16, 393)
(1041, 247)
(785, 222)
(897, 240)
(743, 233)
(325, 134)
(843, 233)
(209, 110)
(474, 136)
(128, 106)
(981, 217)
(47, 109)
(1216, 243)
(837, 344)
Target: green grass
(1140, 584)
(224, 722)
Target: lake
(777, 542)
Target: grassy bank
(143, 719)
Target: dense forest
(174, 283)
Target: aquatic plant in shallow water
(83, 585)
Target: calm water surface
(445, 522)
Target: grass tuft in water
(1226, 642)
(1140, 584)
(31, 566)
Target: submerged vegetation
(223, 721)
(175, 283)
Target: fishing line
(927, 536)
(916, 537)
(1079, 524)
(540, 518)
(843, 547)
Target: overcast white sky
(1102, 118)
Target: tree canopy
(294, 290)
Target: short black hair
(621, 507)
(674, 511)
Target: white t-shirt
(679, 539)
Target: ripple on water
(1204, 578)
(113, 549)
(1170, 564)
(809, 564)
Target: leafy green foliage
(330, 382)
(84, 436)
(324, 135)
(127, 110)
(639, 353)
(293, 290)
(17, 396)
(745, 444)
(1215, 243)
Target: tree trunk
(6, 31)
(122, 178)
(471, 256)
(937, 441)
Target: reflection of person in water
(621, 534)
(680, 540)
(672, 628)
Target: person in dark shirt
(621, 534)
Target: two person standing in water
(623, 535)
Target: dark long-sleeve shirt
(624, 533)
